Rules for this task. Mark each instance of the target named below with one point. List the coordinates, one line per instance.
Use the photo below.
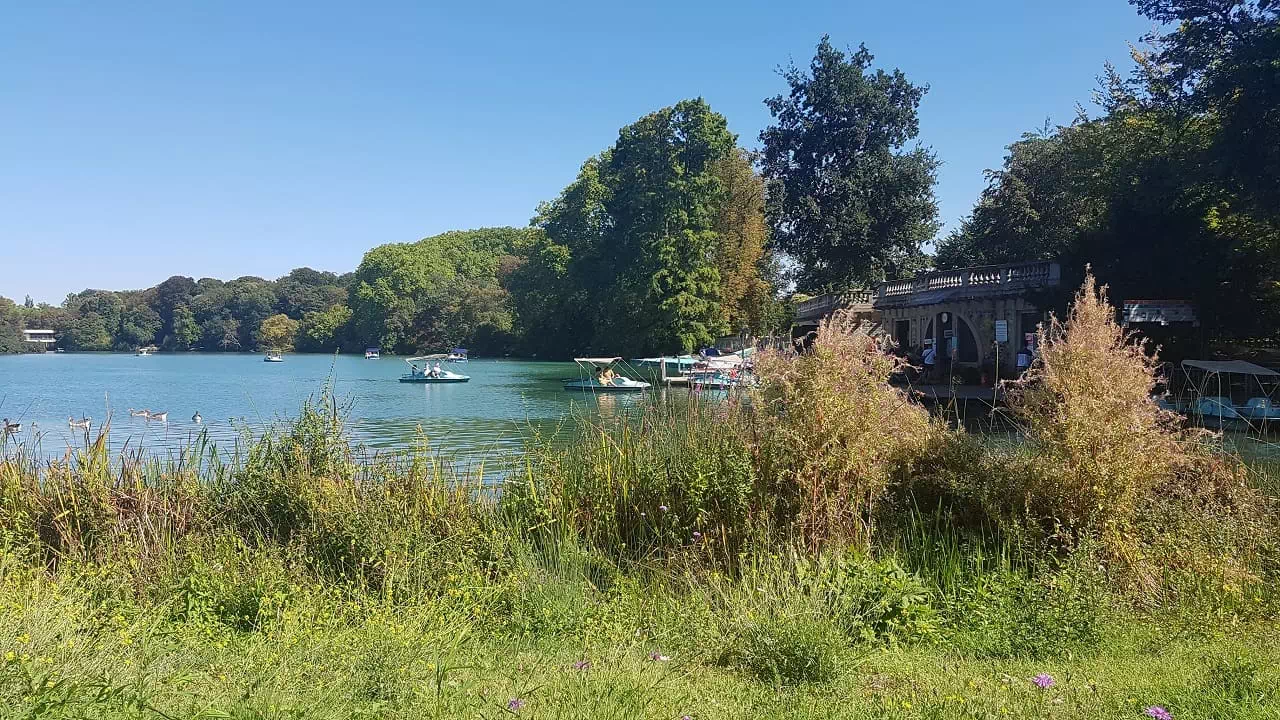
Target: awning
(1233, 367)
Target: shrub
(833, 434)
(1101, 443)
(785, 649)
(1104, 461)
(647, 485)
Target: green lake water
(489, 416)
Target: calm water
(489, 416)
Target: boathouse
(45, 337)
(971, 314)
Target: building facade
(972, 315)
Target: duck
(11, 428)
(138, 413)
(161, 416)
(83, 423)
(196, 418)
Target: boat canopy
(434, 356)
(598, 362)
(1231, 367)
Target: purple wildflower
(658, 657)
(582, 665)
(686, 717)
(1157, 712)
(515, 704)
(662, 508)
(1044, 681)
(697, 536)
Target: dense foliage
(1170, 191)
(847, 199)
(658, 245)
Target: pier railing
(823, 305)
(974, 281)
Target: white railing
(824, 304)
(984, 279)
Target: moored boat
(273, 357)
(601, 377)
(372, 353)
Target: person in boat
(435, 370)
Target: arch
(968, 349)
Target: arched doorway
(954, 337)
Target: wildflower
(697, 536)
(658, 657)
(10, 656)
(1157, 712)
(515, 704)
(662, 508)
(686, 717)
(582, 665)
(24, 639)
(1044, 681)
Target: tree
(741, 237)
(661, 240)
(847, 199)
(324, 331)
(278, 332)
(11, 338)
(1219, 60)
(186, 331)
(403, 295)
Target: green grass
(67, 654)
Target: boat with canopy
(601, 377)
(458, 355)
(426, 369)
(1226, 394)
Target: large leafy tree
(1151, 192)
(1218, 60)
(848, 199)
(278, 332)
(434, 293)
(741, 237)
(661, 241)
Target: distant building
(39, 336)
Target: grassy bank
(821, 548)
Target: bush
(1104, 461)
(785, 649)
(833, 434)
(678, 478)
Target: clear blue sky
(143, 140)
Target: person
(930, 359)
(1025, 356)
(435, 371)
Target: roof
(598, 361)
(1236, 367)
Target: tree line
(677, 234)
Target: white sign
(1002, 331)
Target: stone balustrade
(983, 281)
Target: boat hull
(591, 387)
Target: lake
(489, 416)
